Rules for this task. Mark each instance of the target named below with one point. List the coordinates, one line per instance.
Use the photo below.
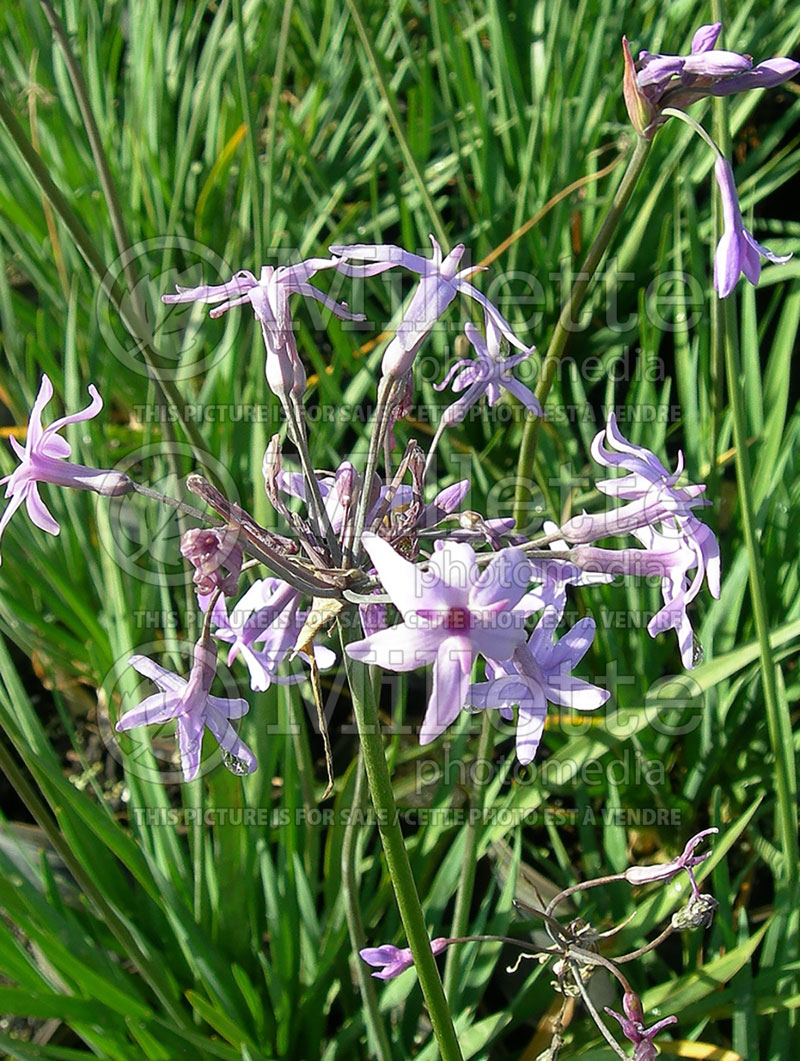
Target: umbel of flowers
(472, 601)
(430, 596)
(437, 588)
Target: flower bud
(640, 109)
(209, 549)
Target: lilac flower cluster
(463, 594)
(435, 587)
(660, 86)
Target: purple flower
(445, 503)
(677, 555)
(660, 516)
(666, 558)
(263, 627)
(650, 488)
(633, 1028)
(538, 673)
(737, 251)
(687, 860)
(647, 475)
(439, 284)
(659, 82)
(338, 492)
(192, 707)
(488, 373)
(43, 460)
(679, 80)
(394, 959)
(269, 297)
(451, 612)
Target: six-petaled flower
(191, 706)
(43, 460)
(451, 613)
(440, 282)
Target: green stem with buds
(566, 321)
(405, 889)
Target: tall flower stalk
(411, 582)
(566, 319)
(365, 709)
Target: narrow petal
(575, 643)
(751, 261)
(228, 739)
(727, 261)
(768, 74)
(259, 666)
(384, 955)
(506, 578)
(399, 577)
(450, 687)
(38, 511)
(53, 446)
(530, 727)
(190, 744)
(522, 394)
(338, 309)
(706, 37)
(325, 657)
(10, 509)
(450, 575)
(400, 648)
(91, 410)
(765, 252)
(374, 252)
(493, 312)
(44, 395)
(164, 679)
(153, 710)
(716, 63)
(575, 693)
(229, 708)
(239, 285)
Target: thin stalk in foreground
(565, 324)
(394, 847)
(725, 339)
(777, 725)
(466, 879)
(355, 926)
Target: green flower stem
(565, 325)
(778, 720)
(380, 787)
(725, 338)
(466, 879)
(352, 908)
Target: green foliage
(212, 920)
